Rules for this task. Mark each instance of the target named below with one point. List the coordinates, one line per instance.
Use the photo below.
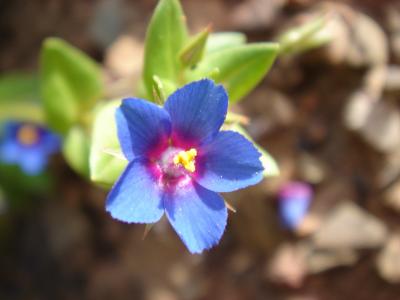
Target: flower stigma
(186, 159)
(28, 135)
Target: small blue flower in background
(294, 201)
(27, 145)
(179, 161)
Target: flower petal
(32, 161)
(197, 215)
(9, 151)
(142, 127)
(136, 197)
(227, 163)
(51, 142)
(197, 111)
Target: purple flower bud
(294, 201)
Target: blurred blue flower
(27, 145)
(179, 161)
(294, 201)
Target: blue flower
(294, 201)
(178, 162)
(27, 145)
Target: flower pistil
(186, 159)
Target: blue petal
(136, 196)
(10, 129)
(197, 111)
(197, 215)
(227, 163)
(142, 127)
(51, 143)
(9, 151)
(33, 161)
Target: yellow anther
(27, 135)
(186, 159)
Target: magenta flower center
(175, 166)
(176, 162)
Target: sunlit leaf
(105, 166)
(241, 68)
(59, 103)
(222, 40)
(76, 150)
(194, 50)
(166, 35)
(71, 83)
(159, 94)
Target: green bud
(194, 50)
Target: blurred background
(330, 117)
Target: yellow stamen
(186, 159)
(27, 135)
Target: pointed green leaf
(241, 68)
(76, 150)
(71, 83)
(193, 51)
(222, 40)
(158, 90)
(162, 88)
(270, 166)
(213, 74)
(304, 37)
(166, 35)
(168, 86)
(105, 165)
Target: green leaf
(61, 108)
(241, 68)
(193, 51)
(141, 91)
(168, 86)
(307, 36)
(71, 83)
(19, 98)
(222, 40)
(105, 163)
(270, 166)
(76, 150)
(166, 35)
(19, 87)
(19, 187)
(22, 111)
(159, 94)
